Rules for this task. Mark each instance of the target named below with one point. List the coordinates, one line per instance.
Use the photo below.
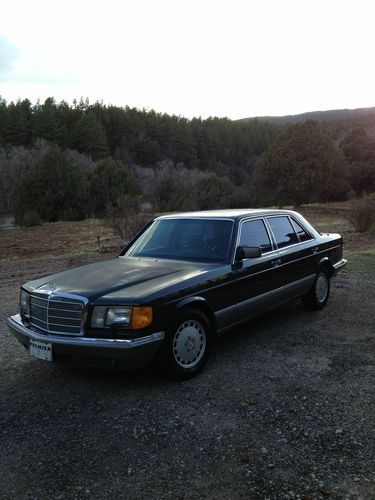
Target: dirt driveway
(285, 409)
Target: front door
(254, 282)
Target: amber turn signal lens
(141, 317)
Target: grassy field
(90, 238)
(361, 261)
(359, 248)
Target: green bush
(31, 218)
(212, 192)
(54, 188)
(110, 181)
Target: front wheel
(318, 295)
(187, 345)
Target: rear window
(283, 231)
(303, 236)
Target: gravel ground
(284, 409)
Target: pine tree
(16, 127)
(46, 122)
(89, 137)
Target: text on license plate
(41, 350)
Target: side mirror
(248, 253)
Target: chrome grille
(57, 314)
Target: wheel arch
(200, 303)
(325, 265)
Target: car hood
(123, 276)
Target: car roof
(234, 213)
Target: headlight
(105, 317)
(132, 317)
(24, 304)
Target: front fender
(190, 301)
(200, 303)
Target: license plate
(41, 350)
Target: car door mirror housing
(248, 253)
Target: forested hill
(166, 160)
(360, 117)
(71, 161)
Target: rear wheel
(187, 345)
(318, 295)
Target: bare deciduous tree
(361, 214)
(124, 218)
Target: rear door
(296, 254)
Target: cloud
(9, 55)
(37, 67)
(30, 66)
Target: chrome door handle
(276, 262)
(315, 250)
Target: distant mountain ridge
(366, 115)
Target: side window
(283, 231)
(303, 236)
(254, 234)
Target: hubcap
(321, 287)
(189, 343)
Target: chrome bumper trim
(14, 323)
(340, 265)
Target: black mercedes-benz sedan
(183, 280)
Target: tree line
(62, 161)
(141, 137)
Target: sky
(234, 58)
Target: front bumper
(129, 354)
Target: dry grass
(79, 240)
(359, 248)
(55, 239)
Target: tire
(318, 295)
(187, 345)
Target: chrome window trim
(171, 216)
(249, 219)
(293, 244)
(295, 220)
(275, 250)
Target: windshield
(203, 240)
